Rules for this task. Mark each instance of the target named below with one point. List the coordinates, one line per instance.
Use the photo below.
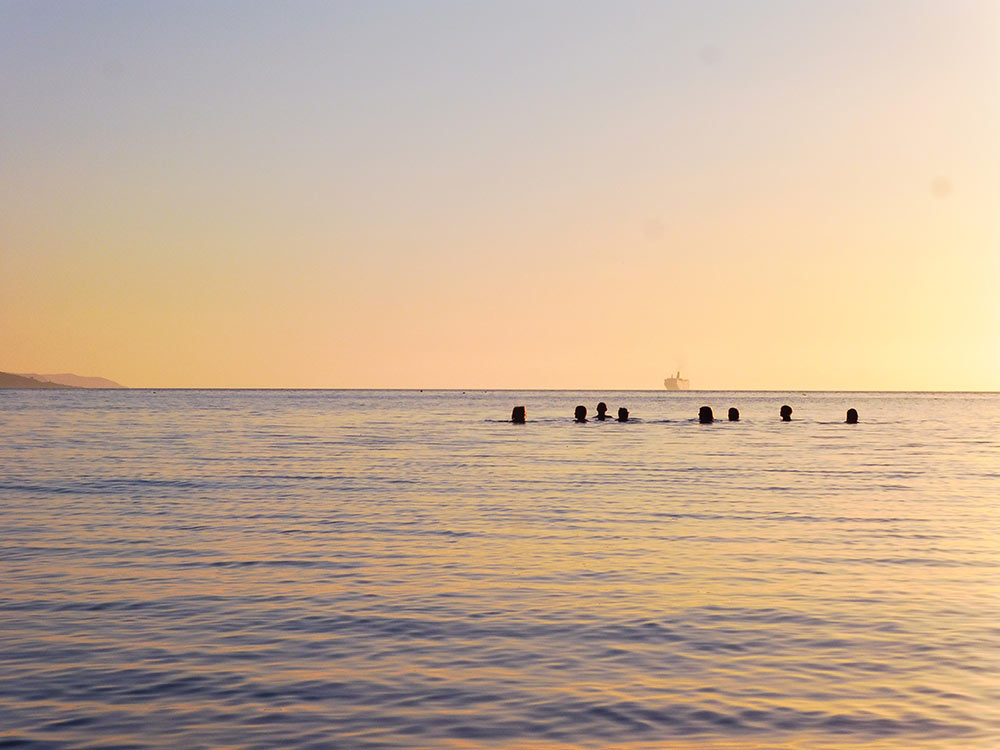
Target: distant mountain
(10, 380)
(74, 381)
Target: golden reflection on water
(270, 568)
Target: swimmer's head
(705, 415)
(517, 416)
(786, 413)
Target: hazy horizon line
(512, 390)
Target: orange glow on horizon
(772, 215)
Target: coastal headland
(60, 380)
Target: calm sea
(363, 569)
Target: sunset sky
(502, 194)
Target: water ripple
(401, 570)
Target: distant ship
(676, 383)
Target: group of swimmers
(705, 415)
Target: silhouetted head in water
(852, 416)
(517, 416)
(734, 414)
(623, 414)
(580, 415)
(705, 415)
(602, 411)
(786, 413)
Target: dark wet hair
(580, 414)
(852, 416)
(705, 415)
(786, 413)
(602, 407)
(623, 414)
(734, 414)
(517, 416)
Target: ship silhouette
(676, 383)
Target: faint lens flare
(710, 54)
(653, 229)
(941, 187)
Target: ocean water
(361, 569)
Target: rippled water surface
(405, 570)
